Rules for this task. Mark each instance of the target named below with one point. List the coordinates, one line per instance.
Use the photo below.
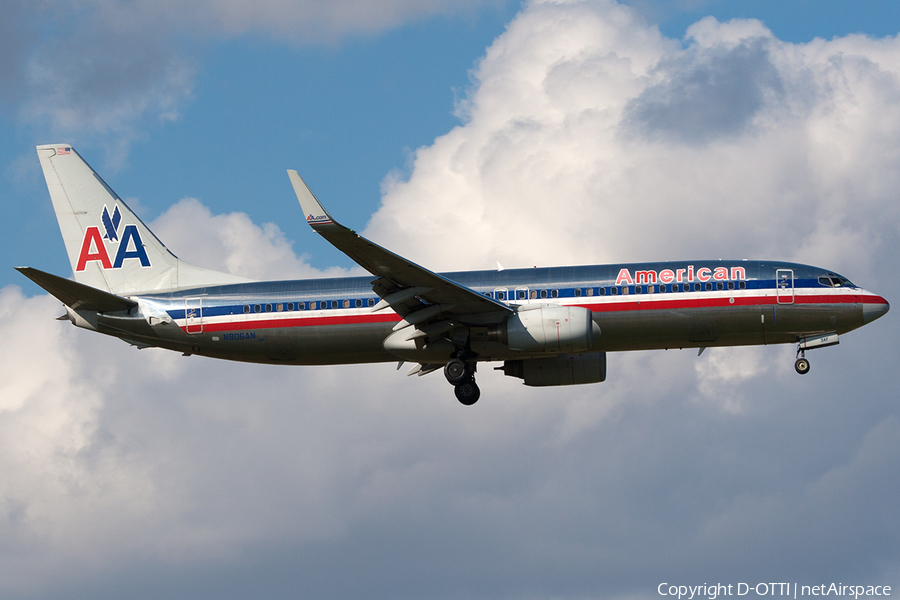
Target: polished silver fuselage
(647, 306)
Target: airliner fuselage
(330, 321)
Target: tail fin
(109, 247)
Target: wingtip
(313, 210)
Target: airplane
(546, 326)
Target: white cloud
(588, 137)
(234, 244)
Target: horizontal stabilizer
(77, 295)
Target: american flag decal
(63, 150)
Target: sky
(457, 134)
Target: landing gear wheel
(802, 366)
(467, 392)
(456, 371)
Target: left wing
(418, 295)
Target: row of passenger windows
(614, 290)
(322, 305)
(500, 295)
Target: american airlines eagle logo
(98, 248)
(111, 224)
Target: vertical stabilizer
(109, 247)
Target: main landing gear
(462, 377)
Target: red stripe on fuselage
(300, 322)
(648, 302)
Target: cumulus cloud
(147, 474)
(592, 138)
(234, 244)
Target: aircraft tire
(467, 392)
(456, 371)
(802, 366)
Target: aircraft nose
(874, 308)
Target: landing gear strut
(462, 377)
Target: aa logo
(126, 245)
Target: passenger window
(577, 292)
(268, 308)
(638, 289)
(554, 293)
(312, 306)
(543, 293)
(279, 307)
(614, 291)
(708, 286)
(257, 308)
(696, 287)
(346, 304)
(246, 309)
(625, 290)
(358, 303)
(720, 286)
(521, 294)
(601, 291)
(590, 291)
(730, 285)
(371, 301)
(662, 289)
(533, 294)
(743, 285)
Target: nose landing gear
(801, 365)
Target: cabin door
(784, 286)
(193, 315)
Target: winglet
(313, 210)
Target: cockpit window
(835, 280)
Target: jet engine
(559, 370)
(556, 329)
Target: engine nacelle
(558, 329)
(559, 370)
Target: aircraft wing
(415, 293)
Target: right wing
(418, 295)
